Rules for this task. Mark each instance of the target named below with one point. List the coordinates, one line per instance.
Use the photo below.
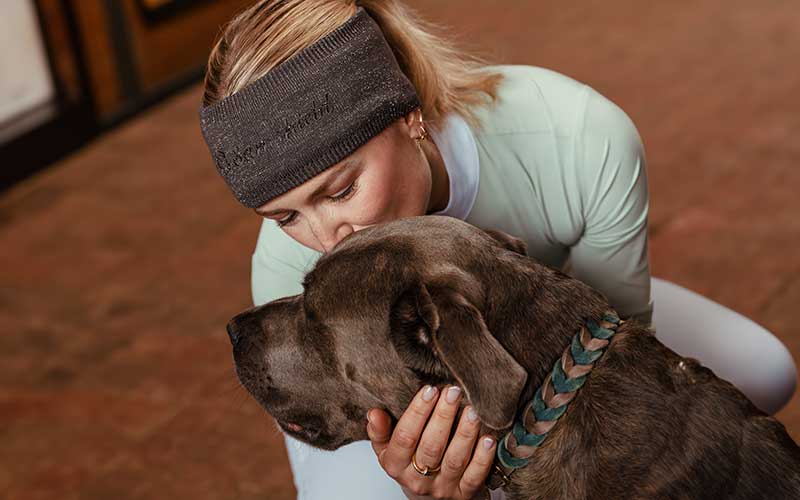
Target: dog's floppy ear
(510, 242)
(410, 321)
(437, 330)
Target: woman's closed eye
(287, 221)
(342, 195)
(345, 193)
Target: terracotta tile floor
(123, 263)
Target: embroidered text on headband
(307, 113)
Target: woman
(328, 116)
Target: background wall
(26, 88)
(98, 63)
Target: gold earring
(424, 134)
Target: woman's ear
(436, 329)
(413, 118)
(507, 241)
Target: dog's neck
(541, 412)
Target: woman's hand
(462, 472)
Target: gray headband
(308, 113)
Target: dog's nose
(233, 333)
(240, 327)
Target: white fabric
(733, 346)
(460, 154)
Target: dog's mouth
(313, 436)
(303, 432)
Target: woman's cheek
(374, 202)
(415, 196)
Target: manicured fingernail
(471, 415)
(429, 393)
(452, 394)
(488, 442)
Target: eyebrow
(333, 174)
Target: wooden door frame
(74, 122)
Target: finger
(478, 469)
(459, 451)
(397, 456)
(379, 429)
(483, 494)
(434, 438)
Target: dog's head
(392, 307)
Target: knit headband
(308, 113)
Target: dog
(435, 300)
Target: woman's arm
(279, 264)
(612, 253)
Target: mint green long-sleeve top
(561, 167)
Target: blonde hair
(271, 31)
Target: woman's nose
(328, 239)
(342, 232)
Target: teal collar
(552, 397)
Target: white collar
(460, 155)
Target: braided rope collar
(550, 401)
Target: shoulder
(275, 247)
(604, 118)
(533, 99)
(278, 264)
(611, 165)
(608, 142)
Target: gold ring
(427, 471)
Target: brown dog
(435, 300)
